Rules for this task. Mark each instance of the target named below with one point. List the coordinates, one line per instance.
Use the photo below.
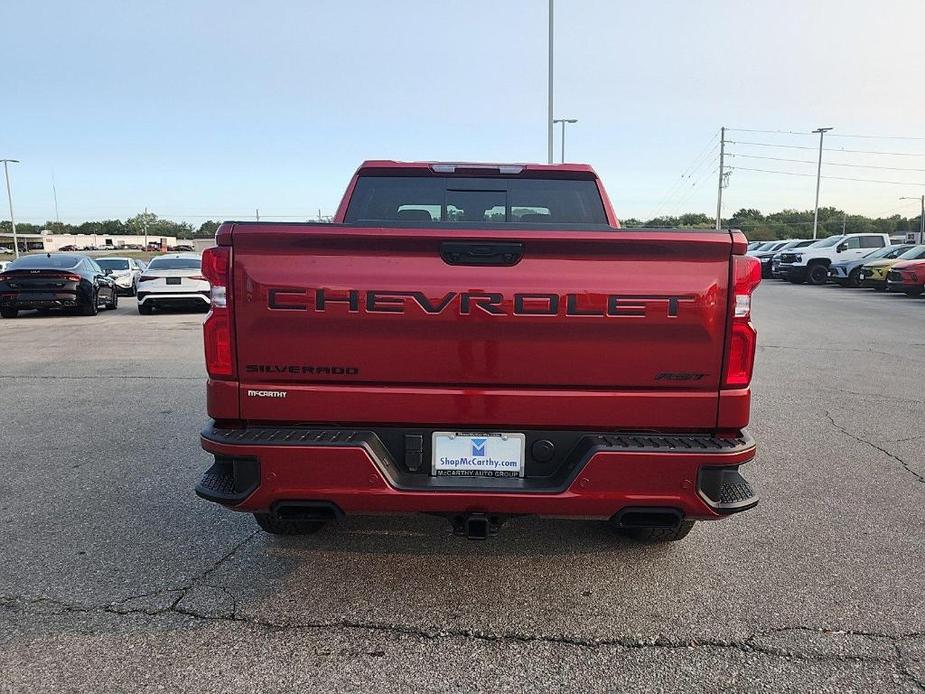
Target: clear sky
(212, 109)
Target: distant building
(50, 243)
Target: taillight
(218, 332)
(740, 349)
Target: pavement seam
(747, 645)
(899, 460)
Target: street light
(549, 85)
(9, 197)
(564, 121)
(921, 219)
(822, 132)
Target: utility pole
(822, 132)
(144, 225)
(257, 214)
(719, 185)
(549, 116)
(9, 197)
(844, 223)
(921, 218)
(564, 121)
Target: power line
(827, 163)
(881, 137)
(833, 178)
(805, 132)
(773, 132)
(827, 149)
(688, 172)
(693, 189)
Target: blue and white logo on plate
(478, 447)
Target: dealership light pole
(822, 132)
(564, 121)
(722, 173)
(921, 219)
(549, 116)
(9, 197)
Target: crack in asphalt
(747, 645)
(906, 466)
(831, 349)
(881, 396)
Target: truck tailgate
(327, 311)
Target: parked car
(174, 280)
(811, 264)
(765, 247)
(765, 255)
(907, 276)
(45, 281)
(770, 267)
(184, 248)
(68, 249)
(754, 244)
(873, 274)
(4, 250)
(847, 273)
(125, 272)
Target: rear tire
(854, 279)
(114, 302)
(912, 292)
(818, 274)
(145, 309)
(655, 535)
(276, 526)
(7, 312)
(92, 308)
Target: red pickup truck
(479, 342)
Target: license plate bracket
(467, 454)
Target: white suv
(125, 272)
(173, 280)
(811, 264)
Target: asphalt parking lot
(115, 577)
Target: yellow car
(873, 274)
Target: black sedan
(61, 280)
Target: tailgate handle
(480, 253)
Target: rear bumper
(354, 470)
(26, 300)
(174, 298)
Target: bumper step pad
(724, 489)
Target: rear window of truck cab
(488, 201)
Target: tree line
(786, 224)
(156, 226)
